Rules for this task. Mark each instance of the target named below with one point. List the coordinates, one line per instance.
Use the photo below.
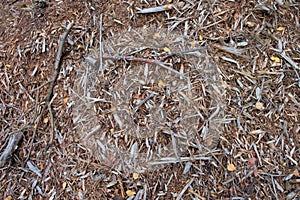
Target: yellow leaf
(276, 59)
(130, 193)
(8, 198)
(280, 28)
(156, 36)
(167, 50)
(259, 105)
(46, 120)
(64, 185)
(169, 1)
(135, 176)
(66, 100)
(161, 84)
(200, 37)
(193, 44)
(8, 65)
(296, 172)
(168, 6)
(231, 167)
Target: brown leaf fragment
(231, 167)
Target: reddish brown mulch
(256, 49)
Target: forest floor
(189, 100)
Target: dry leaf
(200, 37)
(130, 193)
(8, 198)
(156, 36)
(46, 120)
(296, 172)
(193, 44)
(280, 28)
(231, 167)
(161, 84)
(64, 185)
(169, 1)
(259, 105)
(167, 50)
(276, 59)
(66, 100)
(135, 176)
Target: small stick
(184, 189)
(100, 46)
(233, 51)
(10, 148)
(143, 101)
(54, 78)
(156, 9)
(94, 62)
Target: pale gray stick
(100, 46)
(10, 148)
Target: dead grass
(253, 49)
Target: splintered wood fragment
(10, 148)
(234, 51)
(156, 9)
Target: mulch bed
(48, 149)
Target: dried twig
(95, 62)
(156, 9)
(236, 52)
(184, 189)
(54, 78)
(100, 46)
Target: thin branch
(184, 189)
(54, 78)
(100, 46)
(95, 62)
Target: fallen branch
(52, 83)
(95, 63)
